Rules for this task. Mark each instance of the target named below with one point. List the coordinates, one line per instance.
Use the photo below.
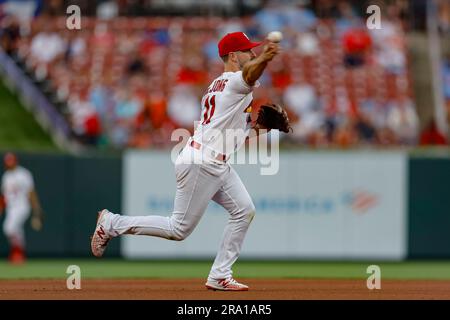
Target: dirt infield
(193, 289)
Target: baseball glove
(273, 116)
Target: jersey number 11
(210, 107)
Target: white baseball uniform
(202, 175)
(16, 187)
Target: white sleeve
(29, 182)
(238, 85)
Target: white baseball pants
(197, 184)
(13, 226)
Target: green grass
(18, 128)
(111, 268)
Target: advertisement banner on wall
(318, 206)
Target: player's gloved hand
(273, 116)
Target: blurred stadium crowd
(130, 81)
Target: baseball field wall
(429, 207)
(318, 205)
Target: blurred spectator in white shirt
(46, 46)
(389, 45)
(307, 44)
(402, 119)
(184, 106)
(301, 98)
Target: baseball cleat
(225, 285)
(100, 238)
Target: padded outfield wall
(320, 205)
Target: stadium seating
(142, 60)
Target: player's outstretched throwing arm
(270, 116)
(253, 69)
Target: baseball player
(202, 171)
(18, 197)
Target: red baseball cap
(236, 41)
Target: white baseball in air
(275, 36)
